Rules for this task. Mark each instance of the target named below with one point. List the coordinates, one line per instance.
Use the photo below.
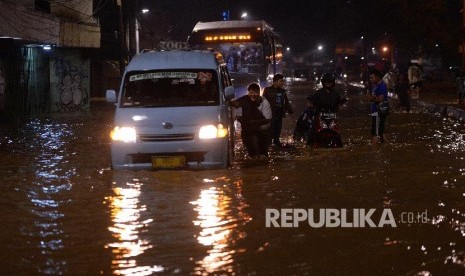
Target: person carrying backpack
(279, 102)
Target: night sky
(301, 23)
(305, 23)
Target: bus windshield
(242, 57)
(251, 49)
(168, 88)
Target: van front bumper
(205, 154)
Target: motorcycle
(326, 133)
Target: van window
(167, 88)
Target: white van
(172, 111)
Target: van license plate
(168, 162)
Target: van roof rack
(169, 46)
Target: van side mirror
(229, 93)
(111, 96)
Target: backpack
(276, 99)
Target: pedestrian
(304, 127)
(403, 92)
(459, 84)
(390, 79)
(377, 95)
(255, 121)
(280, 105)
(415, 79)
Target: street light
(145, 10)
(244, 15)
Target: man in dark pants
(377, 95)
(277, 97)
(255, 121)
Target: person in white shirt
(255, 121)
(414, 79)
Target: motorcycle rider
(327, 97)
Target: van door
(230, 112)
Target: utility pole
(462, 34)
(393, 57)
(132, 28)
(122, 38)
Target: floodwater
(65, 212)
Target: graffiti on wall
(72, 89)
(2, 91)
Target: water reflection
(126, 211)
(221, 215)
(55, 222)
(50, 181)
(450, 140)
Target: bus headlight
(211, 132)
(123, 134)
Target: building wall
(23, 22)
(69, 81)
(24, 82)
(76, 10)
(34, 80)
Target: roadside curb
(446, 111)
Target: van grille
(167, 137)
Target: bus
(252, 50)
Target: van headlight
(123, 134)
(211, 132)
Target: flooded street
(64, 211)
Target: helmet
(328, 77)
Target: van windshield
(166, 88)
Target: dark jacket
(305, 123)
(251, 116)
(326, 99)
(278, 100)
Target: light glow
(124, 134)
(227, 37)
(139, 118)
(212, 132)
